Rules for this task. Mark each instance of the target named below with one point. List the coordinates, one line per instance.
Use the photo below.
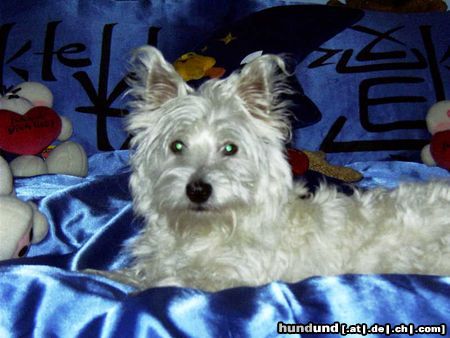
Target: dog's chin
(216, 209)
(192, 210)
(203, 212)
(202, 209)
(194, 219)
(199, 209)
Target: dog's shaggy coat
(211, 179)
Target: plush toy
(301, 161)
(29, 125)
(193, 66)
(438, 123)
(20, 223)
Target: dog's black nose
(198, 191)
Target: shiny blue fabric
(45, 295)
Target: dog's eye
(230, 149)
(177, 147)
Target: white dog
(210, 178)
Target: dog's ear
(153, 81)
(262, 85)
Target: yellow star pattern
(228, 38)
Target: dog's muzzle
(198, 191)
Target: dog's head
(212, 150)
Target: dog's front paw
(169, 281)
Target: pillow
(373, 84)
(294, 31)
(364, 90)
(79, 49)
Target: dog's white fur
(257, 226)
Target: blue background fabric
(365, 79)
(280, 30)
(374, 83)
(79, 49)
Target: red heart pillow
(440, 148)
(31, 133)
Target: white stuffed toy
(28, 126)
(20, 223)
(437, 153)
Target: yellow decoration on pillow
(228, 38)
(193, 66)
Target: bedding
(85, 47)
(46, 295)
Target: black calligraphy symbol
(61, 53)
(101, 101)
(365, 102)
(4, 35)
(367, 54)
(367, 60)
(446, 56)
(328, 54)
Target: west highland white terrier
(211, 179)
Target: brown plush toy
(303, 160)
(399, 6)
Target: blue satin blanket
(46, 295)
